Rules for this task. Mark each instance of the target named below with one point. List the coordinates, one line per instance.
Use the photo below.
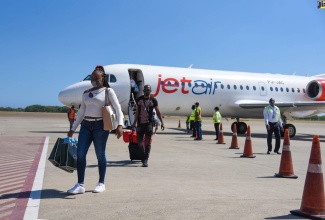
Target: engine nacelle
(315, 90)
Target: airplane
(237, 94)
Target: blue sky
(47, 45)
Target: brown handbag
(109, 115)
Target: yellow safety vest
(278, 114)
(216, 117)
(192, 116)
(198, 114)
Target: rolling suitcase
(135, 152)
(130, 136)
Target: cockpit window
(87, 78)
(111, 80)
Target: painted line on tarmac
(35, 195)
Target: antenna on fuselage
(190, 66)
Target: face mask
(96, 83)
(146, 92)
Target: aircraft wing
(248, 104)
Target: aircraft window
(228, 86)
(271, 88)
(293, 90)
(202, 85)
(87, 78)
(276, 88)
(241, 87)
(247, 87)
(112, 78)
(169, 83)
(235, 87)
(287, 89)
(176, 84)
(304, 91)
(262, 88)
(222, 86)
(254, 88)
(298, 90)
(281, 89)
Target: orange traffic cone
(313, 201)
(179, 124)
(234, 142)
(220, 136)
(286, 168)
(248, 150)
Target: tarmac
(186, 179)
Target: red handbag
(130, 136)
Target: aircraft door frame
(262, 88)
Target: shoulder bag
(109, 115)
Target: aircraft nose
(67, 96)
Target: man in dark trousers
(144, 119)
(273, 123)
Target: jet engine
(315, 90)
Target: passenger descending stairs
(131, 110)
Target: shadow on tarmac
(45, 194)
(52, 132)
(120, 163)
(289, 216)
(298, 137)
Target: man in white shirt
(273, 122)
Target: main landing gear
(291, 128)
(242, 127)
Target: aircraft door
(262, 88)
(136, 91)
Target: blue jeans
(91, 131)
(198, 125)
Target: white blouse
(92, 107)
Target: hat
(196, 103)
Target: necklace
(91, 95)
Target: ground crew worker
(198, 121)
(273, 122)
(216, 120)
(192, 119)
(187, 124)
(71, 115)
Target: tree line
(37, 108)
(64, 109)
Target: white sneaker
(77, 189)
(99, 188)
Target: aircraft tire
(291, 128)
(241, 127)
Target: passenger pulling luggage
(136, 153)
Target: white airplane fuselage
(237, 94)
